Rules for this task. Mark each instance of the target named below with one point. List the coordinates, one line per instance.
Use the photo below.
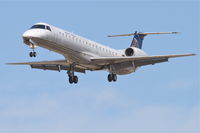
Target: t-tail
(138, 37)
(137, 40)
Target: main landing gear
(112, 77)
(72, 78)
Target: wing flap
(142, 60)
(139, 63)
(56, 67)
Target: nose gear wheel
(32, 54)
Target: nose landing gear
(33, 53)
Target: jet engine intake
(129, 52)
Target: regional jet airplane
(81, 54)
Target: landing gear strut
(72, 78)
(112, 77)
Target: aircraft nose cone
(27, 35)
(33, 34)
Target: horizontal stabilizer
(140, 33)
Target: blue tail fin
(137, 40)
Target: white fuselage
(78, 49)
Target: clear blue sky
(159, 98)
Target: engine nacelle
(129, 51)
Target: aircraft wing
(56, 65)
(138, 60)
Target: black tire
(31, 54)
(71, 79)
(75, 79)
(110, 78)
(34, 54)
(114, 77)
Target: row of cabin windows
(88, 43)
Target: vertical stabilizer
(137, 40)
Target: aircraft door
(56, 36)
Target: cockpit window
(48, 28)
(39, 26)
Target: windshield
(39, 26)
